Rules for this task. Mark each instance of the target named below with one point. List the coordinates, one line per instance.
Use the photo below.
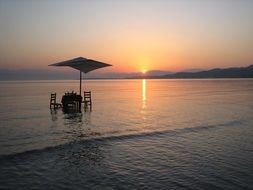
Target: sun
(143, 71)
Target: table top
(71, 97)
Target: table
(72, 100)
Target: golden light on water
(144, 97)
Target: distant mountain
(33, 74)
(235, 72)
(111, 75)
(108, 75)
(192, 70)
(24, 74)
(36, 74)
(150, 74)
(156, 73)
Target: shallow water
(141, 134)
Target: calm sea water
(141, 134)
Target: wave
(99, 138)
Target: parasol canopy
(83, 65)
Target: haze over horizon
(131, 35)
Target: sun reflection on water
(144, 96)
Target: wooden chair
(53, 103)
(87, 100)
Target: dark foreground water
(142, 134)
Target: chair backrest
(87, 95)
(53, 98)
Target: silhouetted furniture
(87, 100)
(53, 103)
(71, 101)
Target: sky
(132, 35)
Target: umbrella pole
(80, 87)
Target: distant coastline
(233, 72)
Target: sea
(140, 134)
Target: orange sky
(130, 35)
